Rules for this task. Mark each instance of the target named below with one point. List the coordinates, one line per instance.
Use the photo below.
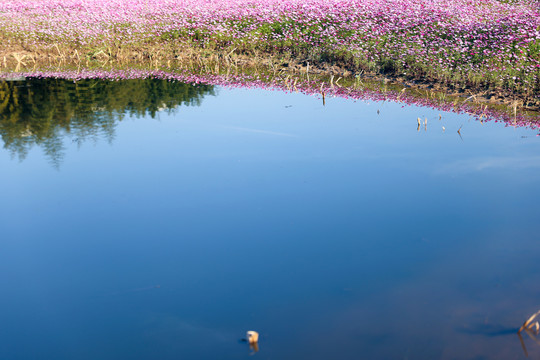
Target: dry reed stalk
(515, 105)
(483, 115)
(526, 324)
(19, 61)
(401, 93)
(274, 70)
(61, 54)
(32, 58)
(119, 56)
(459, 132)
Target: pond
(150, 219)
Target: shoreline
(322, 87)
(23, 59)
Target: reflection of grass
(78, 104)
(41, 112)
(301, 78)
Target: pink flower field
(488, 43)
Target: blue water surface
(335, 231)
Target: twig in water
(253, 339)
(532, 329)
(527, 324)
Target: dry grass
(18, 58)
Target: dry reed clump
(532, 329)
(174, 55)
(245, 75)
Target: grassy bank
(485, 45)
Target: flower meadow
(488, 44)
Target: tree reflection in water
(43, 111)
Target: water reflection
(43, 111)
(335, 231)
(532, 329)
